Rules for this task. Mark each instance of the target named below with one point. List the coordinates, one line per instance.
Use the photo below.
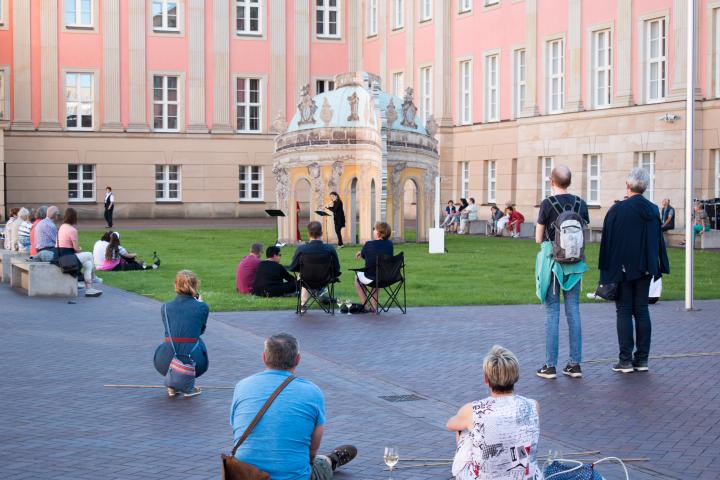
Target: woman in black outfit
(338, 216)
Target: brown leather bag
(234, 469)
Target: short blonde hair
(186, 283)
(501, 368)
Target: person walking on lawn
(553, 276)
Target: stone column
(277, 60)
(48, 66)
(221, 47)
(196, 67)
(679, 65)
(574, 64)
(530, 109)
(409, 75)
(623, 87)
(22, 96)
(302, 44)
(355, 16)
(442, 75)
(111, 65)
(136, 64)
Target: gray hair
(281, 351)
(24, 213)
(638, 180)
(502, 369)
(41, 212)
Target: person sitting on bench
(271, 278)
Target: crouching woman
(497, 437)
(186, 320)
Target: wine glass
(340, 303)
(392, 456)
(348, 304)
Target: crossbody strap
(167, 327)
(262, 411)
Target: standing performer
(338, 216)
(109, 206)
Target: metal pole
(689, 154)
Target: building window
(491, 181)
(327, 14)
(466, 92)
(655, 53)
(465, 6)
(167, 183)
(520, 82)
(546, 166)
(247, 17)
(556, 75)
(491, 2)
(492, 113)
(398, 14)
(79, 101)
(602, 68)
(322, 86)
(2, 15)
(81, 183)
(593, 179)
(251, 183)
(248, 104)
(426, 92)
(78, 13)
(165, 103)
(646, 160)
(464, 179)
(372, 17)
(165, 15)
(2, 93)
(425, 10)
(717, 173)
(398, 84)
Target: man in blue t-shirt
(286, 440)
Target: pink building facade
(173, 102)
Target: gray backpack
(569, 241)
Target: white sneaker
(91, 292)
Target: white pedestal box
(437, 240)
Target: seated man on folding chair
(382, 245)
(314, 247)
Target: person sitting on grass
(245, 273)
(497, 437)
(286, 441)
(381, 245)
(271, 278)
(118, 259)
(100, 247)
(186, 319)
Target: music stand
(324, 216)
(276, 214)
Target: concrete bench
(5, 257)
(710, 239)
(42, 279)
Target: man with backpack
(560, 265)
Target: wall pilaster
(384, 22)
(574, 75)
(196, 67)
(679, 17)
(355, 16)
(48, 66)
(221, 49)
(277, 97)
(136, 63)
(111, 65)
(530, 108)
(442, 69)
(623, 87)
(409, 74)
(302, 44)
(22, 96)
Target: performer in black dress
(338, 216)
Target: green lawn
(476, 271)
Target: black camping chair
(389, 276)
(315, 273)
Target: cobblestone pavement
(59, 421)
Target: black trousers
(632, 302)
(108, 216)
(338, 232)
(278, 290)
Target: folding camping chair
(390, 277)
(315, 274)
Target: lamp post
(689, 155)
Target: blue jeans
(632, 301)
(552, 323)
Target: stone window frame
(154, 31)
(393, 76)
(590, 70)
(491, 180)
(398, 6)
(642, 47)
(326, 20)
(165, 181)
(262, 22)
(249, 182)
(95, 97)
(80, 181)
(547, 75)
(369, 17)
(425, 95)
(716, 154)
(650, 191)
(545, 171)
(180, 99)
(518, 105)
(465, 6)
(315, 81)
(4, 15)
(466, 60)
(422, 18)
(464, 179)
(5, 99)
(712, 37)
(589, 178)
(79, 27)
(486, 85)
(263, 77)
